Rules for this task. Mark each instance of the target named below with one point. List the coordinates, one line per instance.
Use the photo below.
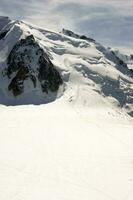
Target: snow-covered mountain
(39, 66)
(78, 144)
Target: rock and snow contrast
(71, 137)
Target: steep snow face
(91, 74)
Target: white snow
(79, 146)
(61, 151)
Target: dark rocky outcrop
(131, 57)
(83, 37)
(28, 60)
(3, 34)
(72, 34)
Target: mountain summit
(39, 66)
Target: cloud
(108, 24)
(115, 30)
(108, 21)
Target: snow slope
(57, 151)
(79, 146)
(86, 67)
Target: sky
(108, 21)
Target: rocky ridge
(28, 60)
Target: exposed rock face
(3, 34)
(27, 60)
(72, 34)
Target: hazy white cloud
(108, 21)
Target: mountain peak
(39, 66)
